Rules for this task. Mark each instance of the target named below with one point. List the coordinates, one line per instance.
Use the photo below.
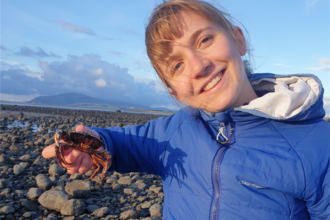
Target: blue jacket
(272, 167)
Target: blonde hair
(164, 27)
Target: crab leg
(98, 165)
(61, 153)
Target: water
(21, 124)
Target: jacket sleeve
(137, 148)
(314, 152)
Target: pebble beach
(32, 187)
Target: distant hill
(79, 100)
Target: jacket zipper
(218, 161)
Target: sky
(97, 48)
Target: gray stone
(4, 184)
(54, 199)
(49, 141)
(6, 192)
(91, 208)
(24, 164)
(112, 180)
(152, 218)
(101, 211)
(146, 205)
(40, 161)
(128, 191)
(5, 159)
(14, 147)
(34, 193)
(156, 210)
(30, 205)
(7, 209)
(79, 189)
(140, 186)
(55, 169)
(30, 214)
(156, 189)
(43, 182)
(116, 187)
(25, 158)
(75, 176)
(18, 169)
(128, 214)
(125, 180)
(73, 207)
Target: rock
(5, 159)
(125, 180)
(79, 189)
(54, 199)
(7, 209)
(55, 169)
(152, 218)
(129, 191)
(91, 208)
(101, 211)
(18, 169)
(73, 207)
(6, 192)
(146, 205)
(116, 187)
(34, 193)
(30, 215)
(128, 214)
(140, 186)
(112, 180)
(4, 145)
(24, 164)
(75, 176)
(15, 148)
(25, 158)
(40, 161)
(43, 182)
(49, 141)
(4, 184)
(156, 210)
(30, 205)
(156, 189)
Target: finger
(49, 151)
(87, 130)
(86, 163)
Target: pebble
(55, 169)
(43, 182)
(34, 193)
(156, 210)
(18, 169)
(54, 199)
(30, 205)
(101, 212)
(128, 214)
(92, 208)
(7, 209)
(79, 189)
(73, 207)
(125, 180)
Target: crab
(86, 143)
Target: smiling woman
(250, 146)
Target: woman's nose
(198, 63)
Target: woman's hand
(81, 162)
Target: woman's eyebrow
(193, 37)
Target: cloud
(117, 53)
(279, 64)
(310, 3)
(17, 98)
(326, 105)
(77, 74)
(39, 53)
(324, 65)
(3, 48)
(129, 31)
(77, 29)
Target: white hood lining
(288, 96)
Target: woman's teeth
(211, 84)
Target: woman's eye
(206, 39)
(177, 66)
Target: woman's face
(205, 69)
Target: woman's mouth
(214, 82)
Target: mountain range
(83, 101)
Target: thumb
(87, 130)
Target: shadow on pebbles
(32, 187)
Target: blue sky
(45, 44)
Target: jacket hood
(295, 97)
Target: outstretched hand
(81, 162)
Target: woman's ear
(240, 41)
(174, 93)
